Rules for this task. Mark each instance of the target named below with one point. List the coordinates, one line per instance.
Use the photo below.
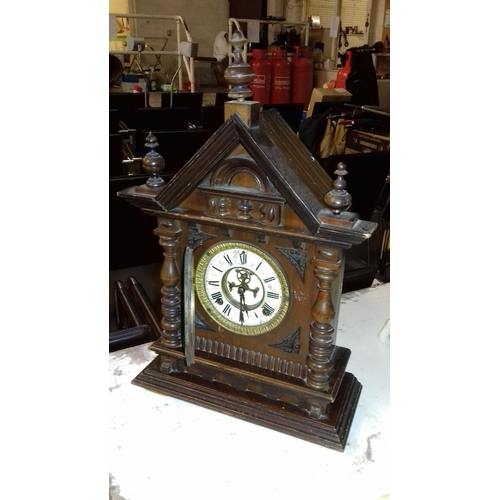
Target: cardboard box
(327, 95)
(366, 142)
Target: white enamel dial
(242, 288)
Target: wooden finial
(338, 199)
(239, 74)
(153, 163)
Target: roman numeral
(217, 269)
(217, 296)
(258, 265)
(273, 295)
(272, 278)
(228, 260)
(214, 283)
(227, 310)
(267, 309)
(243, 257)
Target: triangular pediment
(291, 172)
(262, 177)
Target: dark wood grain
(259, 186)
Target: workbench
(161, 447)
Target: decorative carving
(338, 199)
(166, 365)
(244, 210)
(170, 301)
(212, 204)
(200, 322)
(250, 357)
(224, 204)
(268, 213)
(254, 166)
(290, 344)
(263, 212)
(153, 163)
(226, 174)
(239, 74)
(297, 258)
(196, 237)
(271, 214)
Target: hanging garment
(311, 132)
(323, 135)
(361, 81)
(221, 46)
(333, 142)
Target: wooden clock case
(255, 182)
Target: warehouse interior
(57, 273)
(326, 49)
(320, 72)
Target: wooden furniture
(115, 155)
(367, 174)
(212, 117)
(176, 146)
(254, 235)
(128, 337)
(282, 369)
(182, 100)
(131, 239)
(192, 101)
(369, 187)
(114, 121)
(126, 103)
(145, 424)
(147, 119)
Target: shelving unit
(180, 23)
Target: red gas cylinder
(302, 76)
(343, 72)
(281, 87)
(261, 86)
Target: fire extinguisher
(302, 76)
(281, 87)
(261, 86)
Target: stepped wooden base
(330, 430)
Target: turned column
(171, 321)
(321, 339)
(327, 268)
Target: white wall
(376, 22)
(206, 18)
(118, 6)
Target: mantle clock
(254, 234)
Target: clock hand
(244, 277)
(245, 307)
(241, 291)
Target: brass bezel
(221, 320)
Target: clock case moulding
(255, 182)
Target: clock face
(242, 288)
